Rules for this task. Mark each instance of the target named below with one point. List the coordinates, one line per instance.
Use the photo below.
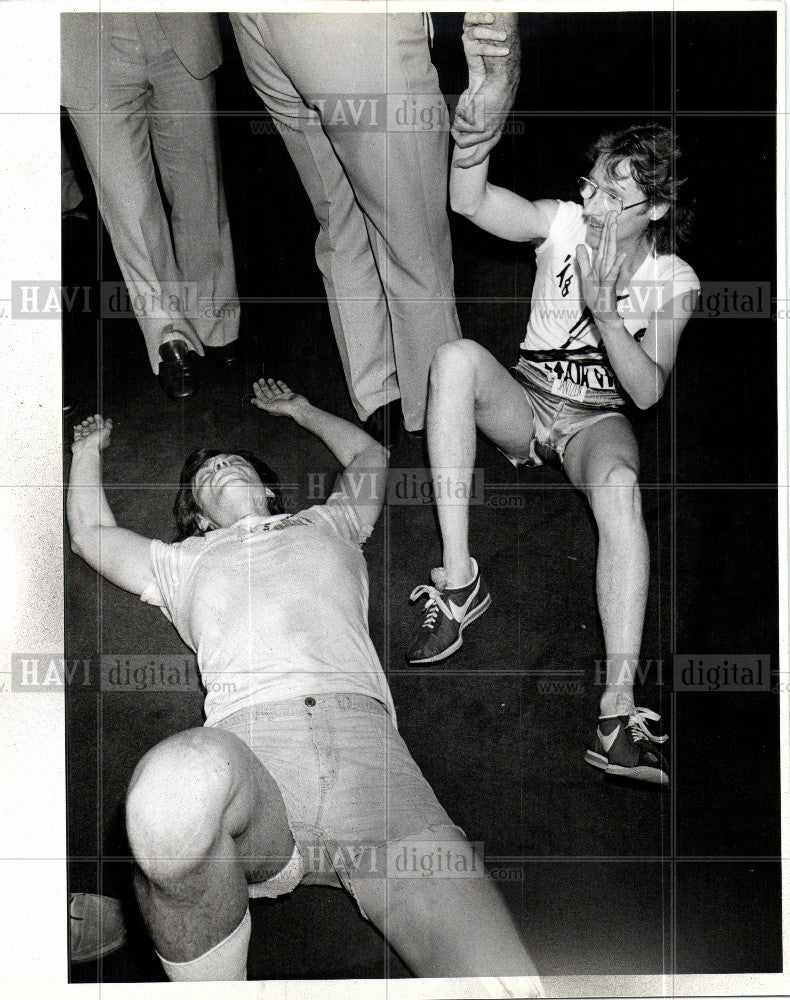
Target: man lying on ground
(299, 773)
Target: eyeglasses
(588, 190)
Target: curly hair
(185, 508)
(652, 154)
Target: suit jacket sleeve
(194, 38)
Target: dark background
(604, 878)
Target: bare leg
(203, 815)
(603, 462)
(446, 926)
(468, 389)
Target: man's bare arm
(496, 209)
(643, 369)
(364, 460)
(493, 54)
(120, 555)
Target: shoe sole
(652, 775)
(481, 607)
(106, 949)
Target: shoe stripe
(454, 608)
(607, 742)
(481, 607)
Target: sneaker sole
(481, 607)
(650, 774)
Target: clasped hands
(484, 105)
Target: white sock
(176, 335)
(615, 705)
(225, 962)
(471, 579)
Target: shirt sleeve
(339, 514)
(566, 226)
(169, 564)
(680, 279)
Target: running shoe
(625, 746)
(447, 613)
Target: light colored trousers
(377, 183)
(151, 106)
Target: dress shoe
(177, 374)
(75, 215)
(224, 356)
(385, 424)
(95, 926)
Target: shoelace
(637, 723)
(434, 604)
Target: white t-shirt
(274, 607)
(562, 352)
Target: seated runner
(609, 304)
(299, 773)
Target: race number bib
(568, 390)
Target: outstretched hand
(93, 434)
(274, 396)
(599, 275)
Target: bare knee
(617, 501)
(455, 361)
(175, 804)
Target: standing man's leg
(469, 388)
(204, 817)
(370, 79)
(355, 294)
(603, 462)
(182, 115)
(115, 141)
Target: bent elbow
(651, 391)
(464, 202)
(382, 455)
(462, 206)
(78, 543)
(375, 455)
(650, 399)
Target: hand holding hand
(93, 434)
(484, 105)
(480, 40)
(599, 275)
(274, 396)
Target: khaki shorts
(554, 422)
(351, 788)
